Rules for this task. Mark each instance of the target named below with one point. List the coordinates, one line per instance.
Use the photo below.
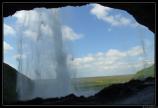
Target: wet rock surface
(132, 92)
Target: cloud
(39, 21)
(30, 34)
(103, 13)
(29, 22)
(100, 11)
(7, 47)
(69, 34)
(18, 56)
(115, 53)
(27, 18)
(135, 51)
(46, 30)
(113, 61)
(8, 30)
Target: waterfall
(42, 56)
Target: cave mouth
(53, 67)
(136, 9)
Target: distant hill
(101, 82)
(105, 81)
(147, 72)
(10, 82)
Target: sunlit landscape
(74, 50)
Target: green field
(101, 82)
(147, 72)
(95, 83)
(105, 81)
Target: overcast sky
(103, 41)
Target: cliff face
(9, 83)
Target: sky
(102, 41)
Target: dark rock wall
(9, 83)
(144, 13)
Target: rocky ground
(135, 92)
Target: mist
(43, 56)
